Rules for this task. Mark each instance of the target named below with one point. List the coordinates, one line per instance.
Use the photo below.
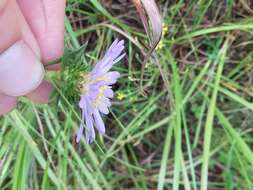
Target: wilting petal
(99, 122)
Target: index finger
(46, 19)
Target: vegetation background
(183, 120)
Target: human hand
(32, 34)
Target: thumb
(20, 69)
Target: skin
(32, 34)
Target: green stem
(54, 62)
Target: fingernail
(20, 70)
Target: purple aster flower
(97, 92)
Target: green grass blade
(210, 118)
(164, 160)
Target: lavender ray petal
(82, 102)
(100, 64)
(89, 131)
(103, 109)
(108, 93)
(111, 78)
(116, 52)
(109, 82)
(87, 137)
(94, 94)
(119, 58)
(109, 59)
(80, 132)
(99, 122)
(109, 66)
(114, 75)
(89, 105)
(106, 101)
(112, 46)
(97, 85)
(118, 46)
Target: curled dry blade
(152, 22)
(151, 19)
